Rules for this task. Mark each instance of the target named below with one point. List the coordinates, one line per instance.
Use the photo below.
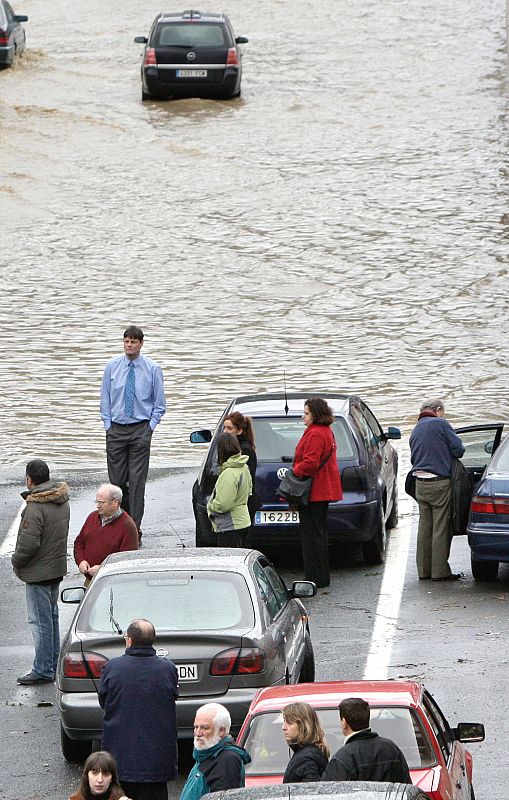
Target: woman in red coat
(315, 455)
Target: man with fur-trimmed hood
(40, 561)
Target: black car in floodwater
(367, 462)
(12, 34)
(191, 54)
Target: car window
(368, 436)
(500, 460)
(9, 12)
(478, 447)
(266, 591)
(270, 753)
(173, 601)
(277, 437)
(371, 421)
(185, 34)
(439, 724)
(277, 584)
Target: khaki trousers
(434, 534)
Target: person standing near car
(365, 756)
(242, 427)
(316, 457)
(132, 404)
(138, 692)
(433, 446)
(40, 561)
(227, 508)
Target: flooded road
(346, 220)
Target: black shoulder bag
(297, 490)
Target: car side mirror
(241, 40)
(392, 433)
(200, 437)
(303, 589)
(488, 447)
(74, 595)
(469, 732)
(140, 39)
(20, 18)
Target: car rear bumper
(163, 83)
(81, 714)
(489, 544)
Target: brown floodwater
(346, 220)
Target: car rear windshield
(277, 437)
(270, 753)
(189, 34)
(172, 601)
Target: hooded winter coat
(216, 768)
(41, 546)
(227, 508)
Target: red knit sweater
(94, 542)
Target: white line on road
(389, 601)
(9, 543)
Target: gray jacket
(41, 546)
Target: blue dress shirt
(149, 400)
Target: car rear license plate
(283, 517)
(187, 672)
(191, 73)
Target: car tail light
(4, 39)
(150, 57)
(245, 661)
(233, 59)
(74, 665)
(489, 505)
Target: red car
(403, 711)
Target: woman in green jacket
(227, 508)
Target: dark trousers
(233, 538)
(128, 456)
(145, 791)
(315, 542)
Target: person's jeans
(42, 607)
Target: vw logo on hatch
(282, 472)
(191, 56)
(161, 652)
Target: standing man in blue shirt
(433, 446)
(132, 404)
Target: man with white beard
(219, 762)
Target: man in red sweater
(107, 530)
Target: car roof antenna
(179, 537)
(286, 398)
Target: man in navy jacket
(138, 692)
(433, 446)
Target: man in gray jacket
(40, 561)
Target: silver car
(223, 616)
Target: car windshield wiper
(287, 459)
(112, 618)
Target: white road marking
(9, 543)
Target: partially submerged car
(223, 616)
(12, 34)
(401, 710)
(367, 462)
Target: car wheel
(484, 570)
(74, 751)
(393, 516)
(307, 672)
(374, 550)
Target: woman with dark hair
(242, 427)
(304, 734)
(99, 780)
(227, 508)
(315, 456)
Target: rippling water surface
(346, 220)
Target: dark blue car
(367, 461)
(12, 34)
(488, 523)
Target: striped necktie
(129, 392)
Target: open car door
(480, 442)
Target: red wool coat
(94, 542)
(314, 446)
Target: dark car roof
(274, 403)
(336, 790)
(219, 558)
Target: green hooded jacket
(227, 508)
